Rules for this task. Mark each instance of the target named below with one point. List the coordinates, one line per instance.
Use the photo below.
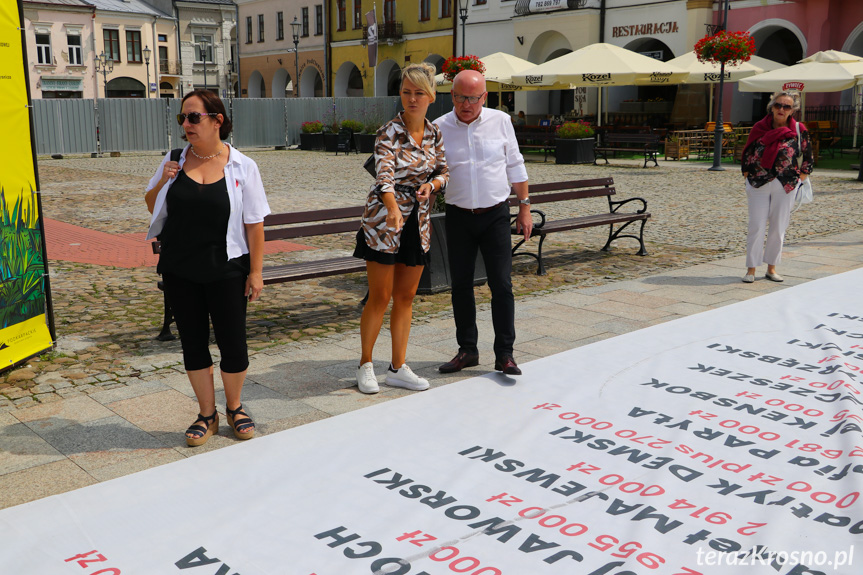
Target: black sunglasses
(194, 117)
(776, 106)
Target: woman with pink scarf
(770, 166)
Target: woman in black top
(208, 211)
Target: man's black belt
(477, 211)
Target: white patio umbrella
(601, 65)
(708, 73)
(828, 71)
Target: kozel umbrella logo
(596, 77)
(714, 76)
(660, 77)
(792, 86)
(533, 79)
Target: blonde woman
(395, 232)
(776, 158)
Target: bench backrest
(623, 138)
(317, 223)
(571, 190)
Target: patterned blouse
(402, 166)
(785, 167)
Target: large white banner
(724, 443)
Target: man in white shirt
(483, 160)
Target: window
(163, 37)
(280, 25)
(358, 14)
(319, 19)
(445, 8)
(479, 2)
(260, 27)
(43, 49)
(248, 29)
(389, 11)
(112, 44)
(305, 16)
(425, 10)
(342, 21)
(133, 46)
(163, 59)
(73, 42)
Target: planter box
(574, 151)
(365, 143)
(436, 277)
(331, 142)
(632, 107)
(676, 150)
(312, 141)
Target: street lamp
(147, 54)
(106, 66)
(295, 27)
(205, 46)
(462, 13)
(720, 126)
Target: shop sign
(546, 5)
(61, 85)
(792, 86)
(651, 29)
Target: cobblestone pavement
(107, 317)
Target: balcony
(169, 68)
(388, 32)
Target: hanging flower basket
(731, 48)
(453, 66)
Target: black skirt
(410, 247)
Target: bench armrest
(615, 205)
(536, 226)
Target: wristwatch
(524, 202)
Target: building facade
(408, 32)
(270, 60)
(207, 48)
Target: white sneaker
(366, 378)
(405, 378)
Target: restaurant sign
(649, 29)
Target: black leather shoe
(462, 360)
(507, 365)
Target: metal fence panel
(259, 122)
(132, 125)
(64, 126)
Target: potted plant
(574, 143)
(332, 123)
(364, 139)
(311, 135)
(676, 147)
(730, 48)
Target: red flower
(453, 66)
(732, 48)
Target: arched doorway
(125, 87)
(257, 88)
(282, 85)
(387, 78)
(349, 81)
(437, 61)
(311, 83)
(853, 45)
(658, 50)
(547, 46)
(167, 90)
(777, 40)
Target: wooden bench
(297, 225)
(536, 138)
(647, 143)
(616, 220)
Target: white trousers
(768, 204)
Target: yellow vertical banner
(24, 299)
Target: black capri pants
(194, 305)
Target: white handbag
(803, 193)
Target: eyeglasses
(471, 99)
(194, 117)
(778, 106)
